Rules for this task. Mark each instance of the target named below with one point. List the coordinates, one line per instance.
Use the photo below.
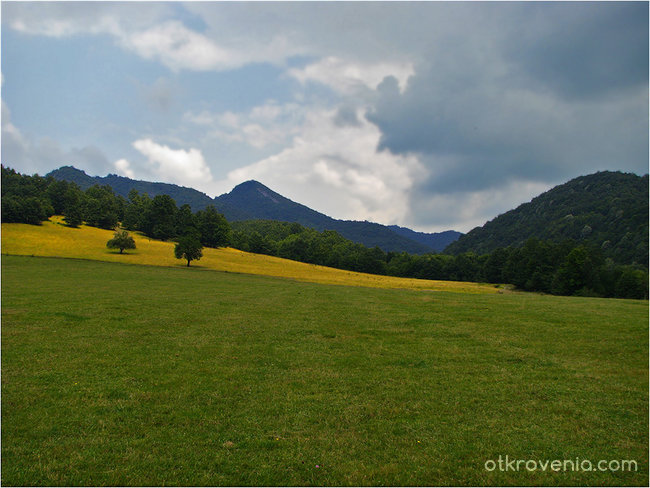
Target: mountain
(74, 175)
(122, 186)
(260, 202)
(252, 200)
(606, 209)
(437, 241)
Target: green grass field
(117, 374)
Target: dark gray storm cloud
(539, 93)
(583, 50)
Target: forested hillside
(122, 186)
(607, 210)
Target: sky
(429, 115)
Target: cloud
(435, 110)
(464, 210)
(161, 95)
(348, 77)
(178, 47)
(338, 170)
(580, 51)
(66, 19)
(152, 31)
(29, 155)
(123, 167)
(534, 102)
(262, 126)
(185, 167)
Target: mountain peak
(255, 189)
(68, 170)
(70, 173)
(250, 185)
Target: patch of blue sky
(189, 19)
(72, 90)
(237, 90)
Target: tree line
(33, 199)
(565, 268)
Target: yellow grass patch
(53, 238)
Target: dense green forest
(33, 199)
(607, 209)
(568, 267)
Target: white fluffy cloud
(178, 47)
(337, 170)
(184, 167)
(124, 168)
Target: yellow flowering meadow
(55, 239)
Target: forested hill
(606, 209)
(252, 200)
(122, 186)
(260, 202)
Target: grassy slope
(132, 375)
(55, 239)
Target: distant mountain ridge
(606, 209)
(122, 186)
(439, 240)
(252, 200)
(263, 203)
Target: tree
(28, 210)
(102, 207)
(135, 211)
(185, 221)
(56, 191)
(159, 221)
(73, 206)
(633, 283)
(188, 247)
(578, 273)
(214, 228)
(121, 240)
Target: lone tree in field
(189, 247)
(121, 240)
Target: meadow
(118, 374)
(250, 370)
(53, 238)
